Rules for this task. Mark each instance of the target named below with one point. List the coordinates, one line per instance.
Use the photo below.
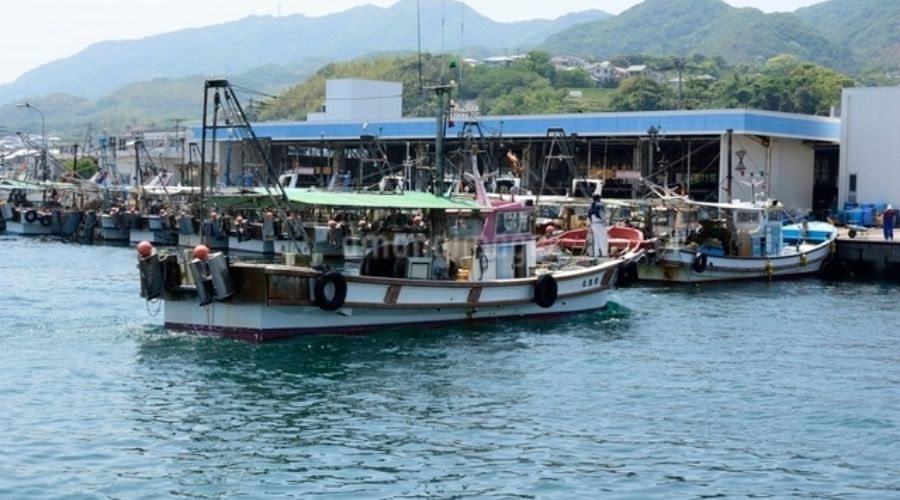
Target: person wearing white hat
(597, 216)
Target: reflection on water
(776, 390)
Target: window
(513, 223)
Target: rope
(157, 303)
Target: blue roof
(683, 123)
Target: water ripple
(750, 390)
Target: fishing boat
(620, 238)
(35, 208)
(702, 242)
(404, 281)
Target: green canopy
(36, 186)
(405, 200)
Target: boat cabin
(507, 246)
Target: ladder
(557, 150)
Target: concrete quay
(866, 254)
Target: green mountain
(156, 103)
(121, 85)
(706, 27)
(234, 48)
(868, 28)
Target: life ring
(338, 289)
(46, 220)
(628, 274)
(699, 263)
(31, 216)
(545, 290)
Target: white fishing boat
(33, 208)
(704, 242)
(397, 285)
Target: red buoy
(144, 248)
(201, 252)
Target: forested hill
(707, 27)
(869, 29)
(157, 80)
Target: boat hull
(278, 303)
(678, 265)
(30, 228)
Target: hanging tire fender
(31, 216)
(700, 262)
(627, 275)
(46, 220)
(338, 285)
(545, 290)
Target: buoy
(144, 248)
(201, 252)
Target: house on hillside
(636, 69)
(501, 60)
(604, 73)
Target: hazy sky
(36, 32)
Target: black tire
(700, 262)
(46, 220)
(545, 291)
(339, 288)
(31, 216)
(628, 274)
(851, 233)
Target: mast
(729, 178)
(440, 132)
(202, 213)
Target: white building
(351, 99)
(870, 146)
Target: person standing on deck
(887, 218)
(597, 219)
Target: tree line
(533, 85)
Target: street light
(43, 136)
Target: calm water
(756, 390)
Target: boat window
(513, 223)
(507, 186)
(548, 211)
(747, 217)
(584, 189)
(463, 228)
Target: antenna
(462, 14)
(419, 38)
